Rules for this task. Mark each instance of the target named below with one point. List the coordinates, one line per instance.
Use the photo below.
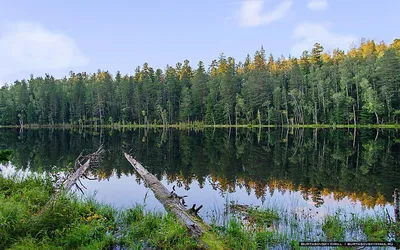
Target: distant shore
(201, 126)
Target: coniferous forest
(360, 86)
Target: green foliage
(72, 223)
(333, 227)
(237, 236)
(67, 223)
(262, 217)
(143, 229)
(361, 86)
(376, 229)
(5, 155)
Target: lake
(318, 171)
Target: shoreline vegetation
(72, 222)
(32, 216)
(36, 215)
(199, 125)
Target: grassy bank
(74, 223)
(68, 224)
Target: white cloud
(309, 33)
(29, 47)
(251, 12)
(317, 4)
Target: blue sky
(58, 36)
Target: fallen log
(91, 160)
(72, 179)
(76, 175)
(198, 229)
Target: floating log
(169, 201)
(199, 230)
(91, 160)
(76, 175)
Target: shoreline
(203, 126)
(72, 221)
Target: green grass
(68, 223)
(235, 235)
(74, 223)
(375, 229)
(262, 217)
(333, 227)
(148, 229)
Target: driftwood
(195, 210)
(72, 180)
(65, 184)
(171, 201)
(91, 160)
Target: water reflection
(311, 169)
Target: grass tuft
(153, 230)
(333, 228)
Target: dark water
(304, 169)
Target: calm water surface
(319, 171)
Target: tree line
(360, 86)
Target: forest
(360, 86)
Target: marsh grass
(79, 223)
(291, 224)
(333, 227)
(143, 229)
(83, 223)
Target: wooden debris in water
(172, 204)
(82, 164)
(164, 196)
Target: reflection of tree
(259, 189)
(314, 163)
(316, 197)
